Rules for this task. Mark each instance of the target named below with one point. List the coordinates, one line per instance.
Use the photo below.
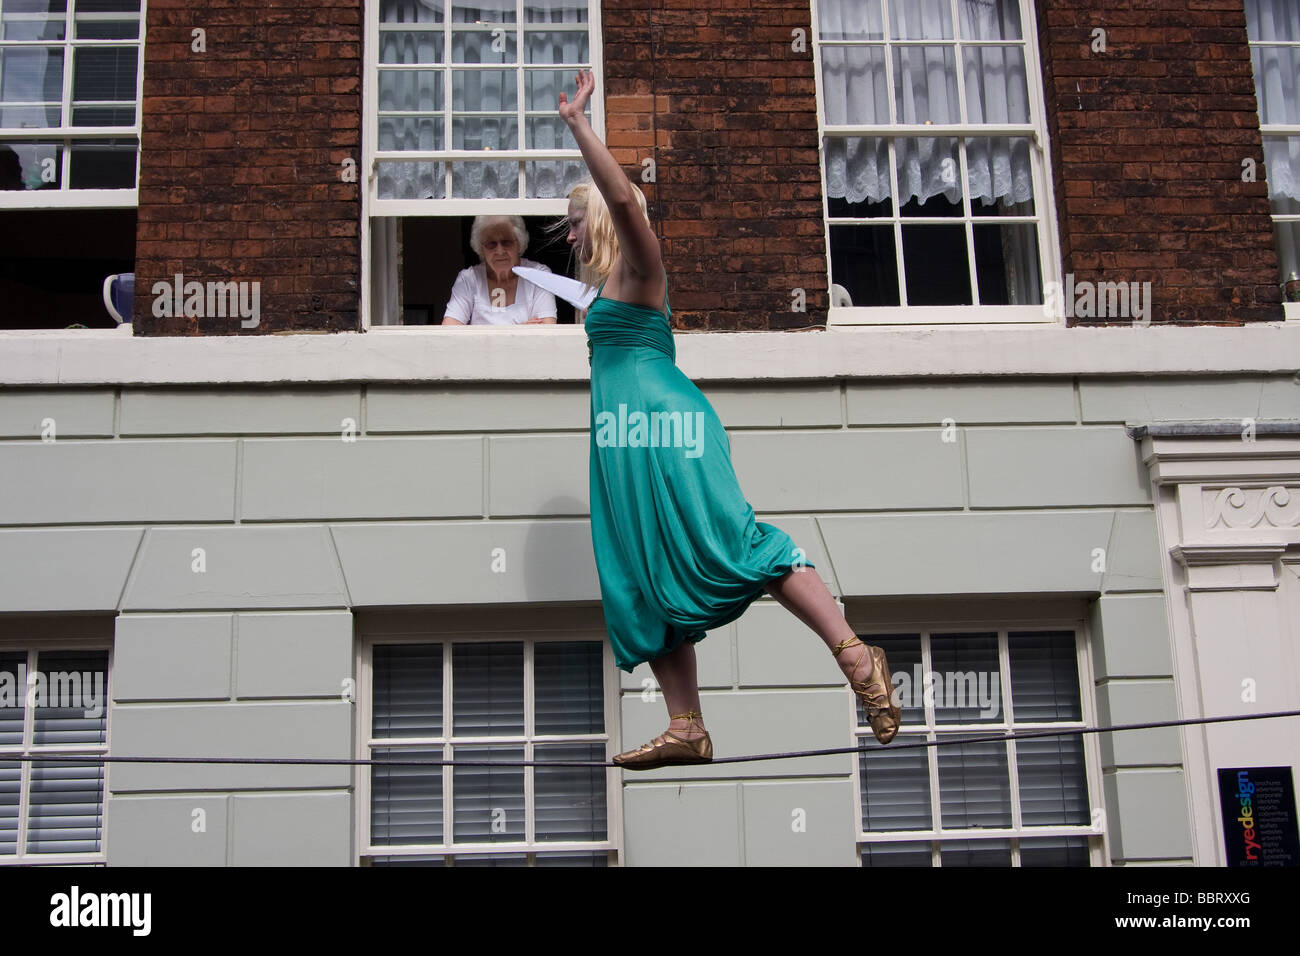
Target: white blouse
(470, 302)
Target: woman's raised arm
(637, 241)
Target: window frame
(66, 197)
(1095, 833)
(373, 207)
(1290, 310)
(1040, 160)
(41, 645)
(365, 744)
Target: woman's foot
(869, 679)
(684, 742)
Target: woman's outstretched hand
(572, 112)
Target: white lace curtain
(855, 93)
(1277, 76)
(492, 90)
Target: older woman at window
(490, 293)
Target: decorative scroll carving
(1275, 505)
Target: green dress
(677, 548)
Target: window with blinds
(1000, 803)
(52, 703)
(487, 706)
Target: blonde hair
(602, 240)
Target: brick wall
(241, 153)
(1148, 140)
(737, 184)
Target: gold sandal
(883, 713)
(668, 749)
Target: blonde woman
(677, 548)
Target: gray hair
(484, 223)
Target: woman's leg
(675, 673)
(804, 594)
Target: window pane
(1053, 788)
(935, 263)
(1262, 21)
(895, 785)
(104, 73)
(485, 91)
(996, 90)
(974, 786)
(488, 689)
(13, 698)
(20, 24)
(998, 176)
(407, 690)
(1055, 851)
(976, 853)
(475, 180)
(542, 89)
(10, 781)
(921, 20)
(929, 175)
(410, 11)
(406, 802)
(990, 20)
(489, 801)
(555, 11)
(569, 689)
(413, 90)
(896, 854)
(410, 132)
(849, 20)
(411, 46)
(31, 76)
(103, 164)
(408, 861)
(544, 132)
(485, 46)
(925, 84)
(424, 180)
(71, 698)
(1006, 264)
(96, 19)
(857, 171)
(1044, 676)
(1277, 80)
(479, 132)
(103, 115)
(1282, 171)
(855, 91)
(557, 46)
(967, 682)
(485, 11)
(570, 801)
(552, 179)
(65, 807)
(1286, 239)
(863, 264)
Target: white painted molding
(550, 354)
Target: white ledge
(550, 354)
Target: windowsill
(428, 354)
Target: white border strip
(559, 354)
